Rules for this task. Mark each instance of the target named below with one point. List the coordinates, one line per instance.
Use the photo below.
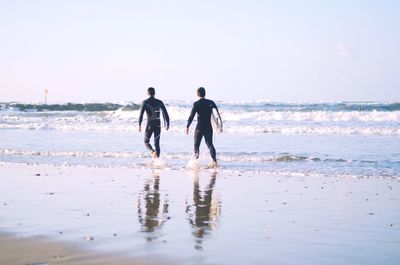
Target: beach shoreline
(133, 216)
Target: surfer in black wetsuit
(152, 106)
(203, 107)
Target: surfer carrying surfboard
(153, 106)
(204, 109)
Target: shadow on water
(204, 213)
(152, 206)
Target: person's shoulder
(152, 101)
(159, 102)
(144, 102)
(210, 102)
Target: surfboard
(216, 121)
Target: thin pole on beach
(45, 100)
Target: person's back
(152, 107)
(203, 108)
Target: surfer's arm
(141, 114)
(165, 115)
(191, 116)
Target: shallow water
(353, 139)
(282, 154)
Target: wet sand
(82, 215)
(43, 251)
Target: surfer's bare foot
(154, 154)
(213, 164)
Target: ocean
(297, 183)
(356, 139)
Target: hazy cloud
(343, 50)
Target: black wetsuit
(152, 107)
(203, 107)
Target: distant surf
(29, 107)
(356, 118)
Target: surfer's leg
(208, 137)
(198, 135)
(147, 135)
(157, 135)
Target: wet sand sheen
(41, 251)
(191, 217)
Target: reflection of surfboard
(216, 121)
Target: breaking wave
(256, 117)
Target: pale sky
(86, 51)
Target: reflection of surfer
(152, 106)
(205, 214)
(153, 213)
(204, 109)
